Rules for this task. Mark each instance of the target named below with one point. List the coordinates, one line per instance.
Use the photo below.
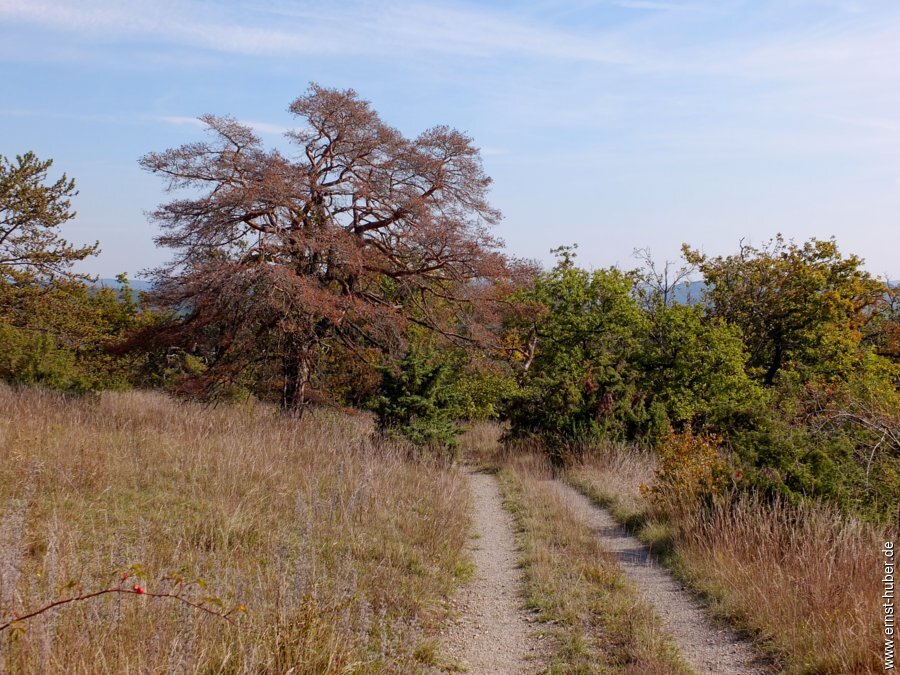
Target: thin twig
(94, 594)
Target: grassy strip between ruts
(803, 579)
(600, 623)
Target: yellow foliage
(691, 467)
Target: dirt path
(706, 648)
(492, 635)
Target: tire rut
(707, 649)
(492, 634)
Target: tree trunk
(296, 369)
(775, 365)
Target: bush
(62, 335)
(30, 357)
(691, 470)
(584, 327)
(829, 439)
(412, 401)
(694, 369)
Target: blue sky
(614, 124)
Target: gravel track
(493, 634)
(706, 648)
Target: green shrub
(694, 369)
(412, 401)
(584, 327)
(31, 357)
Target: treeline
(787, 366)
(361, 272)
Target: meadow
(329, 553)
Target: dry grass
(612, 476)
(602, 626)
(479, 444)
(343, 552)
(804, 579)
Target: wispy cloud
(292, 29)
(182, 121)
(851, 41)
(172, 120)
(840, 58)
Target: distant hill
(689, 292)
(136, 284)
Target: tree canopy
(31, 211)
(800, 303)
(352, 235)
(574, 337)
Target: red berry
(138, 590)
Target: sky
(613, 124)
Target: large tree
(355, 231)
(796, 304)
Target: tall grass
(804, 579)
(343, 551)
(479, 444)
(612, 475)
